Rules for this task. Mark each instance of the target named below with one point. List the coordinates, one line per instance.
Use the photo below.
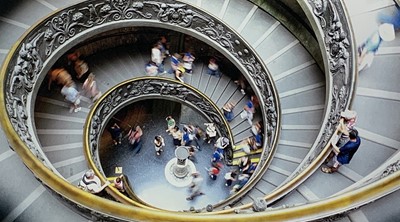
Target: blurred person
(213, 68)
(89, 88)
(72, 96)
(195, 186)
(368, 49)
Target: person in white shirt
(71, 95)
(91, 183)
(157, 57)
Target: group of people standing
(80, 73)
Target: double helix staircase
(302, 92)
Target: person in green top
(171, 123)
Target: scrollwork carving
(63, 27)
(319, 9)
(332, 20)
(392, 168)
(152, 87)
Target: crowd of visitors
(190, 135)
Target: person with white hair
(347, 123)
(91, 183)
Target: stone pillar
(181, 167)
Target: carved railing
(138, 89)
(338, 49)
(334, 33)
(29, 60)
(32, 56)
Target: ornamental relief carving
(332, 21)
(40, 44)
(392, 168)
(139, 89)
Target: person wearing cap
(91, 183)
(344, 154)
(349, 117)
(368, 49)
(214, 170)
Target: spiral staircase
(303, 90)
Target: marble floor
(145, 169)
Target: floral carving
(29, 63)
(392, 168)
(218, 33)
(133, 90)
(60, 28)
(337, 47)
(319, 10)
(63, 27)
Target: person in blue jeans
(228, 111)
(213, 68)
(345, 153)
(186, 138)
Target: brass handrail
(54, 35)
(312, 210)
(152, 87)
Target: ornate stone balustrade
(44, 43)
(144, 88)
(31, 58)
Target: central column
(181, 169)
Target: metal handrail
(31, 57)
(16, 121)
